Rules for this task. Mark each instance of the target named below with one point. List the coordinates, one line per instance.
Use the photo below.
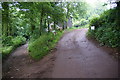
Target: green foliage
(95, 9)
(105, 19)
(17, 41)
(93, 16)
(73, 28)
(6, 40)
(108, 16)
(6, 50)
(30, 19)
(95, 22)
(108, 36)
(43, 45)
(83, 22)
(107, 29)
(91, 33)
(10, 43)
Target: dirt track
(75, 57)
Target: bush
(93, 16)
(108, 36)
(19, 40)
(6, 50)
(90, 33)
(83, 22)
(10, 43)
(105, 19)
(109, 16)
(95, 22)
(35, 35)
(43, 45)
(107, 29)
(6, 41)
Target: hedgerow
(107, 30)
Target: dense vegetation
(92, 10)
(43, 45)
(10, 43)
(31, 21)
(107, 27)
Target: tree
(5, 16)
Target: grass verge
(11, 44)
(41, 46)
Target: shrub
(83, 22)
(10, 43)
(43, 45)
(99, 32)
(91, 33)
(6, 41)
(95, 22)
(18, 40)
(93, 16)
(109, 16)
(108, 30)
(108, 36)
(35, 35)
(6, 50)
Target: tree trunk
(63, 26)
(67, 16)
(45, 22)
(48, 26)
(66, 24)
(118, 14)
(5, 18)
(41, 22)
(118, 4)
(54, 26)
(32, 25)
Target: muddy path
(75, 57)
(21, 65)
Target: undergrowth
(10, 43)
(107, 29)
(41, 46)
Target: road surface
(75, 57)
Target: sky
(92, 2)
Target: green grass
(10, 44)
(18, 41)
(43, 45)
(6, 50)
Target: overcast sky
(92, 2)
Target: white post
(92, 27)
